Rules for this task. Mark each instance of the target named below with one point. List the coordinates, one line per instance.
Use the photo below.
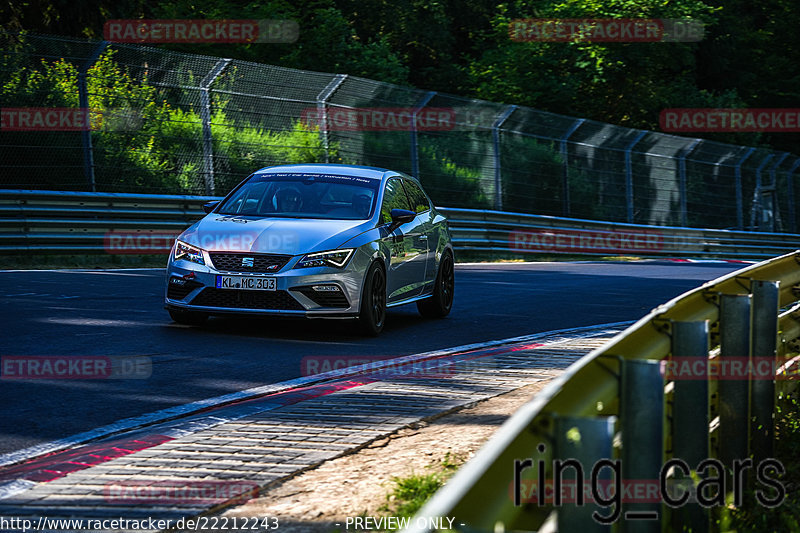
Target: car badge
(247, 261)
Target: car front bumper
(193, 287)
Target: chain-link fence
(167, 122)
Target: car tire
(441, 302)
(372, 315)
(190, 318)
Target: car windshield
(301, 195)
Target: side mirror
(401, 216)
(208, 207)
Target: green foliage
(413, 491)
(450, 175)
(332, 46)
(623, 83)
(747, 57)
(246, 149)
(752, 517)
(533, 181)
(446, 177)
(140, 141)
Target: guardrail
(642, 401)
(79, 222)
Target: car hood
(291, 236)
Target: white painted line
(180, 411)
(12, 488)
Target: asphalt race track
(120, 313)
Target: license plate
(246, 282)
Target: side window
(417, 197)
(393, 198)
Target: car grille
(245, 299)
(232, 262)
(325, 298)
(178, 288)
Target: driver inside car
(287, 200)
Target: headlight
(334, 258)
(188, 252)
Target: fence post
(739, 201)
(682, 155)
(690, 416)
(498, 175)
(414, 148)
(641, 419)
(757, 209)
(765, 343)
(790, 193)
(629, 174)
(777, 224)
(580, 442)
(205, 118)
(322, 110)
(83, 104)
(734, 391)
(565, 156)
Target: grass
(410, 493)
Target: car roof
(348, 170)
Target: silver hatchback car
(332, 241)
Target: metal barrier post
(765, 341)
(739, 202)
(682, 155)
(734, 401)
(629, 175)
(414, 148)
(205, 118)
(322, 109)
(690, 414)
(498, 177)
(565, 157)
(642, 425)
(581, 442)
(83, 103)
